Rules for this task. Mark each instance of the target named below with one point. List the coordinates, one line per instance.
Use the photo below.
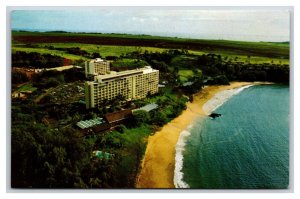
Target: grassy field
(143, 36)
(107, 50)
(118, 44)
(26, 88)
(103, 50)
(243, 58)
(184, 74)
(256, 59)
(262, 49)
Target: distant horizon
(146, 34)
(237, 25)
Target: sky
(229, 24)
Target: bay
(246, 148)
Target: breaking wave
(178, 174)
(216, 101)
(220, 98)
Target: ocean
(246, 148)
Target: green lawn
(26, 87)
(242, 57)
(106, 50)
(258, 60)
(184, 74)
(103, 50)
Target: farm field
(104, 50)
(243, 58)
(109, 44)
(108, 50)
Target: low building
(118, 117)
(148, 107)
(96, 66)
(90, 123)
(93, 126)
(130, 84)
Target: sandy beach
(157, 169)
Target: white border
(148, 3)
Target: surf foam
(221, 97)
(178, 174)
(216, 101)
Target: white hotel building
(96, 66)
(131, 84)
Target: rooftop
(97, 60)
(147, 108)
(90, 123)
(144, 70)
(118, 116)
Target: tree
(121, 128)
(159, 118)
(18, 77)
(141, 117)
(95, 182)
(95, 55)
(76, 117)
(176, 69)
(36, 60)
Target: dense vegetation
(36, 60)
(127, 64)
(18, 77)
(49, 151)
(52, 78)
(44, 157)
(212, 68)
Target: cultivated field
(118, 44)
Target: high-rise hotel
(96, 66)
(131, 84)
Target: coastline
(158, 165)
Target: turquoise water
(247, 147)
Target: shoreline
(158, 164)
